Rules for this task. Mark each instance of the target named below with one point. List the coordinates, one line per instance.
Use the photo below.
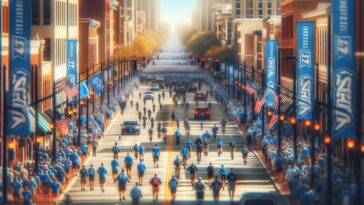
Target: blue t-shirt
(115, 165)
(141, 167)
(27, 195)
(173, 184)
(156, 151)
(223, 171)
(83, 173)
(91, 172)
(16, 187)
(141, 150)
(128, 160)
(188, 144)
(206, 135)
(102, 171)
(185, 152)
(219, 142)
(122, 179)
(74, 158)
(56, 186)
(214, 130)
(305, 151)
(84, 149)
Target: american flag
(275, 99)
(273, 121)
(250, 90)
(259, 104)
(62, 126)
(71, 92)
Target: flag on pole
(259, 104)
(84, 92)
(71, 92)
(275, 99)
(273, 121)
(63, 127)
(250, 90)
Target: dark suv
(130, 127)
(202, 112)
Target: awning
(43, 125)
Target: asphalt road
(251, 177)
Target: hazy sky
(177, 11)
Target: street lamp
(281, 117)
(362, 148)
(51, 126)
(317, 127)
(307, 123)
(269, 113)
(350, 144)
(327, 139)
(293, 120)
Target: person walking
(214, 130)
(128, 162)
(91, 176)
(136, 151)
(184, 153)
(156, 153)
(136, 194)
(232, 145)
(177, 166)
(102, 171)
(216, 186)
(200, 191)
(122, 180)
(141, 151)
(115, 167)
(219, 145)
(150, 132)
(231, 178)
(83, 174)
(173, 187)
(245, 153)
(210, 173)
(95, 143)
(116, 150)
(223, 173)
(141, 170)
(193, 170)
(155, 182)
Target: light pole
(293, 59)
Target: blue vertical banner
(305, 59)
(18, 122)
(96, 83)
(72, 71)
(271, 71)
(84, 92)
(343, 75)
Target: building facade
(255, 8)
(205, 12)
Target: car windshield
(130, 123)
(148, 93)
(258, 202)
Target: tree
(222, 53)
(200, 43)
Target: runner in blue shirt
(128, 162)
(141, 151)
(102, 171)
(17, 184)
(219, 146)
(136, 151)
(91, 176)
(83, 173)
(56, 189)
(27, 196)
(122, 180)
(214, 130)
(207, 135)
(193, 170)
(232, 145)
(136, 194)
(115, 167)
(116, 150)
(156, 153)
(75, 162)
(155, 182)
(141, 170)
(178, 135)
(245, 153)
(67, 165)
(223, 173)
(173, 187)
(188, 144)
(184, 153)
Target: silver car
(130, 127)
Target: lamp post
(293, 59)
(245, 100)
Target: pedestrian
(91, 177)
(156, 152)
(201, 125)
(245, 153)
(137, 106)
(102, 171)
(223, 173)
(136, 151)
(16, 186)
(173, 187)
(56, 189)
(122, 180)
(232, 145)
(155, 182)
(144, 121)
(200, 191)
(193, 170)
(75, 162)
(144, 110)
(115, 167)
(210, 173)
(141, 151)
(83, 174)
(232, 178)
(116, 150)
(141, 170)
(216, 186)
(140, 115)
(291, 178)
(27, 195)
(128, 162)
(184, 153)
(136, 194)
(94, 147)
(177, 166)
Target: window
(35, 12)
(47, 12)
(47, 50)
(269, 7)
(238, 13)
(260, 8)
(278, 5)
(249, 9)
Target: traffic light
(202, 61)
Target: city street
(251, 177)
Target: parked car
(201, 112)
(130, 127)
(154, 87)
(192, 88)
(200, 97)
(258, 198)
(148, 95)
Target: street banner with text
(305, 59)
(84, 92)
(72, 71)
(271, 71)
(96, 83)
(18, 122)
(343, 97)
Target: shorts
(128, 166)
(122, 188)
(83, 181)
(114, 171)
(155, 158)
(174, 191)
(155, 189)
(102, 181)
(231, 186)
(91, 178)
(210, 175)
(141, 174)
(200, 195)
(75, 166)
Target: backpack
(155, 182)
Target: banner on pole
(343, 96)
(305, 59)
(84, 92)
(96, 83)
(72, 71)
(18, 122)
(271, 71)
